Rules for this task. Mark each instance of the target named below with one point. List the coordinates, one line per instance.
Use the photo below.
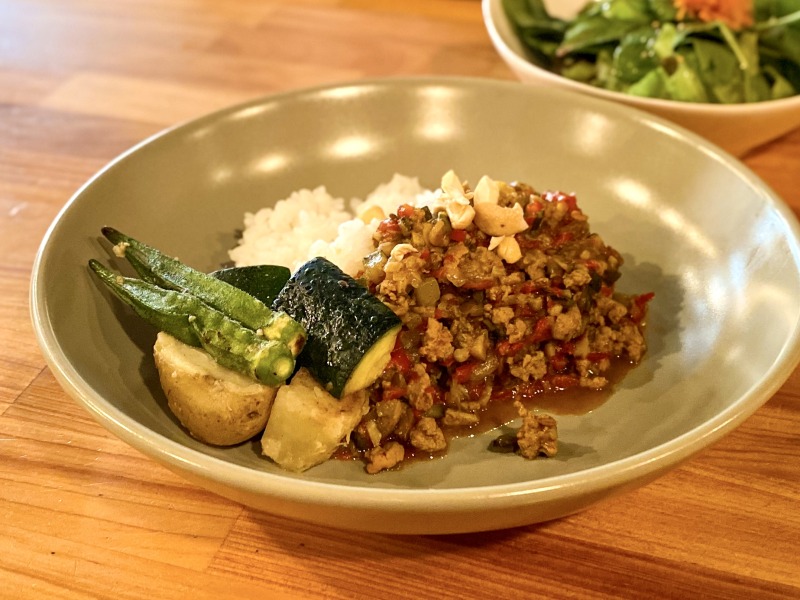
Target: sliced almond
(497, 220)
(487, 190)
(509, 250)
(400, 251)
(460, 213)
(451, 185)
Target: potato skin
(218, 406)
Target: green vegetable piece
(719, 70)
(195, 323)
(685, 85)
(527, 13)
(694, 54)
(350, 332)
(157, 268)
(667, 40)
(155, 305)
(504, 444)
(592, 32)
(781, 88)
(664, 10)
(635, 56)
(581, 70)
(652, 85)
(637, 11)
(540, 33)
(262, 281)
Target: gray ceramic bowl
(717, 247)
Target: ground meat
(481, 327)
(438, 342)
(633, 341)
(459, 418)
(385, 457)
(427, 436)
(400, 277)
(419, 389)
(388, 414)
(568, 324)
(502, 315)
(614, 311)
(532, 366)
(578, 277)
(516, 330)
(538, 435)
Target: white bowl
(695, 226)
(736, 128)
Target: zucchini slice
(262, 281)
(351, 333)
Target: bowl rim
(356, 497)
(491, 8)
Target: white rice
(311, 223)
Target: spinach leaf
(663, 10)
(580, 70)
(685, 84)
(781, 87)
(635, 56)
(592, 32)
(719, 70)
(784, 41)
(540, 33)
(639, 47)
(652, 85)
(534, 9)
(668, 38)
(637, 11)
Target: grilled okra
(192, 321)
(161, 270)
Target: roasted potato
(307, 423)
(218, 406)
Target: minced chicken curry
(475, 304)
(503, 293)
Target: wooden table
(84, 516)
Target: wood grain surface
(82, 515)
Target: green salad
(661, 49)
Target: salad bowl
(737, 128)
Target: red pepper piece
(479, 284)
(562, 237)
(638, 308)
(463, 372)
(458, 235)
(563, 382)
(541, 331)
(392, 393)
(405, 210)
(506, 348)
(570, 199)
(399, 358)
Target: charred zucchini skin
(342, 319)
(262, 281)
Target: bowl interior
(694, 226)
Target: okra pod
(159, 269)
(195, 323)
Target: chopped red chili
(458, 235)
